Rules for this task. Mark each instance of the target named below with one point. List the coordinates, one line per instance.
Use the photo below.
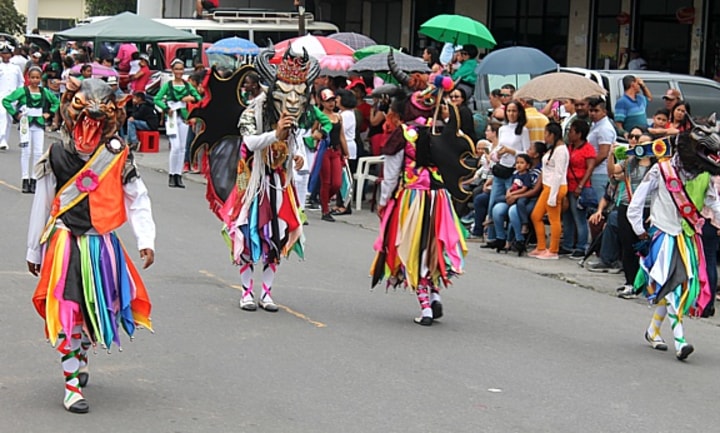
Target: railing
(258, 17)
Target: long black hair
(522, 118)
(554, 129)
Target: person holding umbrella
(465, 75)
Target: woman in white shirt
(513, 139)
(346, 102)
(554, 179)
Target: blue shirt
(631, 112)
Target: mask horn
(399, 75)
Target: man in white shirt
(19, 58)
(636, 63)
(10, 79)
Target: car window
(704, 99)
(657, 89)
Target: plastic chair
(362, 174)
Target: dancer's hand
(282, 129)
(299, 162)
(34, 268)
(380, 211)
(148, 257)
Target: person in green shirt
(173, 98)
(31, 106)
(465, 74)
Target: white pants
(177, 148)
(302, 177)
(34, 148)
(5, 122)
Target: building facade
(672, 35)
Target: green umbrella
(369, 51)
(458, 30)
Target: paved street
(525, 346)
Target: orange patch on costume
(107, 206)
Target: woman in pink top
(554, 179)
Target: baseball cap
(327, 95)
(672, 94)
(37, 54)
(356, 82)
(145, 57)
(112, 80)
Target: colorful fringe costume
(421, 242)
(250, 171)
(673, 270)
(89, 288)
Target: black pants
(627, 237)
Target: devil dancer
(421, 242)
(250, 170)
(87, 187)
(673, 272)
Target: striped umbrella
(316, 46)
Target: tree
(110, 7)
(11, 21)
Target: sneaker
(327, 217)
(195, 168)
(468, 219)
(247, 303)
(627, 292)
(598, 266)
(684, 352)
(474, 238)
(536, 252)
(267, 304)
(3, 145)
(547, 255)
(577, 254)
(186, 167)
(564, 252)
(313, 206)
(657, 344)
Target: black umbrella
(379, 63)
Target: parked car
(703, 94)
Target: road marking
(283, 307)
(13, 187)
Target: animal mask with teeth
(91, 112)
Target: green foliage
(11, 21)
(110, 7)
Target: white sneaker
(267, 304)
(247, 303)
(3, 145)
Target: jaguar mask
(699, 148)
(91, 112)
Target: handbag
(588, 199)
(502, 172)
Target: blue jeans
(499, 216)
(610, 243)
(574, 221)
(133, 126)
(497, 195)
(599, 181)
(188, 142)
(519, 214)
(480, 204)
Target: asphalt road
(516, 351)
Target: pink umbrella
(98, 70)
(316, 46)
(335, 65)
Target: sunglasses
(634, 136)
(455, 96)
(505, 95)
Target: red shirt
(578, 165)
(140, 84)
(215, 3)
(364, 109)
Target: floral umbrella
(335, 65)
(316, 46)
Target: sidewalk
(564, 269)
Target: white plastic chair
(362, 173)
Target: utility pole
(32, 16)
(300, 4)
